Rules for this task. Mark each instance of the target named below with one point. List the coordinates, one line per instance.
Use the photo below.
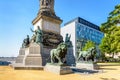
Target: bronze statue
(26, 42)
(87, 55)
(33, 39)
(38, 36)
(58, 54)
(67, 40)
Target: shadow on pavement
(83, 71)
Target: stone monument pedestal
(57, 69)
(36, 55)
(33, 57)
(21, 56)
(87, 65)
(70, 59)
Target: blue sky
(16, 17)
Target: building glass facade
(88, 33)
(82, 31)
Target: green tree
(88, 45)
(112, 21)
(105, 44)
(111, 42)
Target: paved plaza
(108, 72)
(51, 51)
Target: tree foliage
(113, 20)
(105, 45)
(88, 45)
(111, 41)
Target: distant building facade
(81, 31)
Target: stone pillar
(49, 23)
(47, 5)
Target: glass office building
(81, 31)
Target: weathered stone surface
(49, 23)
(28, 68)
(51, 39)
(22, 51)
(34, 56)
(19, 66)
(21, 56)
(57, 69)
(47, 6)
(33, 60)
(87, 65)
(19, 59)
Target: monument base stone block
(30, 58)
(58, 69)
(87, 65)
(34, 57)
(21, 56)
(33, 60)
(19, 59)
(28, 68)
